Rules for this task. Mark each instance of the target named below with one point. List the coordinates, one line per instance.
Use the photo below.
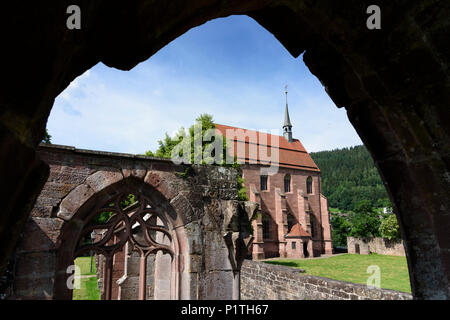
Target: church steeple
(287, 126)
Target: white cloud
(66, 94)
(130, 111)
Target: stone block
(193, 233)
(216, 252)
(74, 200)
(184, 211)
(102, 179)
(168, 184)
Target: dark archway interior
(393, 82)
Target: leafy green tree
(167, 146)
(348, 176)
(363, 206)
(341, 227)
(384, 203)
(242, 191)
(47, 138)
(389, 228)
(365, 221)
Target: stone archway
(393, 82)
(197, 229)
(115, 248)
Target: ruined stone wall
(262, 281)
(203, 199)
(376, 245)
(393, 82)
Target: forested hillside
(348, 176)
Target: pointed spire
(287, 126)
(287, 120)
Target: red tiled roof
(291, 155)
(297, 231)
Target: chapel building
(294, 220)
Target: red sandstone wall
(197, 197)
(251, 174)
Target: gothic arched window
(309, 187)
(287, 183)
(263, 182)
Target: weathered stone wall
(262, 281)
(376, 245)
(393, 82)
(201, 201)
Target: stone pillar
(162, 268)
(350, 245)
(326, 226)
(118, 271)
(310, 248)
(304, 211)
(258, 243)
(281, 220)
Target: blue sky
(231, 68)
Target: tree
(167, 145)
(365, 221)
(363, 206)
(47, 138)
(341, 227)
(389, 228)
(348, 176)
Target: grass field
(88, 289)
(353, 268)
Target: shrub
(340, 228)
(389, 228)
(365, 221)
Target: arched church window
(263, 181)
(309, 185)
(287, 183)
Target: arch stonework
(201, 209)
(79, 203)
(393, 82)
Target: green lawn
(353, 268)
(85, 265)
(88, 289)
